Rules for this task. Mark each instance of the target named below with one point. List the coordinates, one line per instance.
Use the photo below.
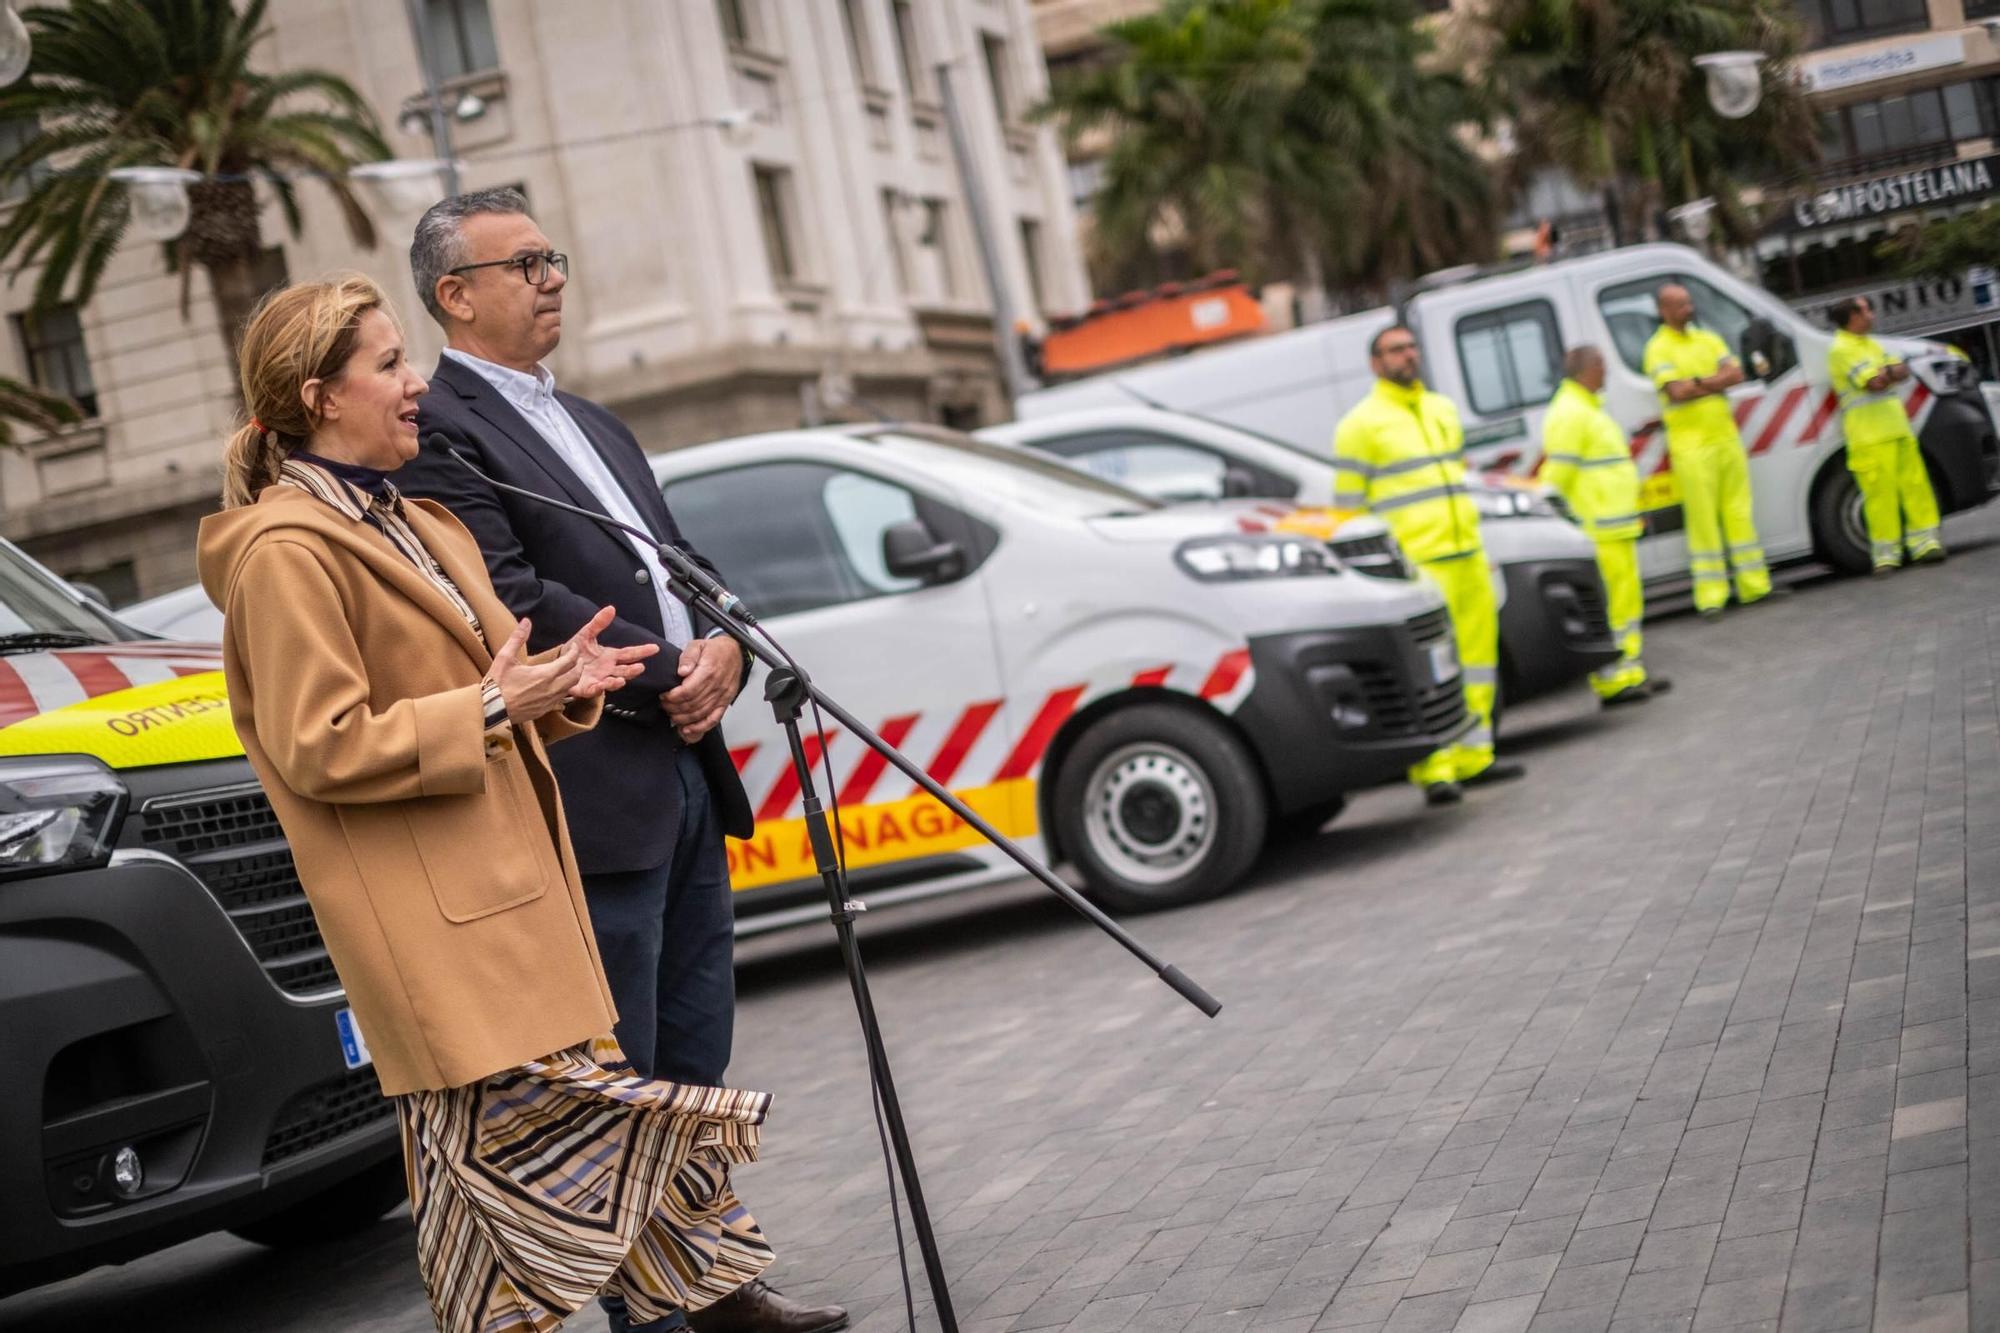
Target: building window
(1511, 357)
(774, 212)
(1832, 22)
(934, 245)
(461, 38)
(737, 24)
(995, 51)
(892, 223)
(854, 19)
(1980, 9)
(909, 52)
(1910, 123)
(1031, 250)
(52, 341)
(14, 136)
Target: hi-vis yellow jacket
(1400, 454)
(1587, 459)
(1867, 417)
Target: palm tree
(1299, 138)
(1607, 90)
(23, 403)
(1947, 247)
(124, 83)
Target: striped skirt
(536, 1188)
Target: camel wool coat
(439, 867)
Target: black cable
(874, 1069)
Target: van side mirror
(1238, 482)
(1766, 353)
(90, 592)
(909, 551)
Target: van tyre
(1159, 806)
(1839, 532)
(347, 1209)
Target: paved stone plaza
(1697, 1027)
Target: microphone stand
(788, 690)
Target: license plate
(1444, 661)
(353, 1046)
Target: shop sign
(1829, 73)
(1923, 306)
(1926, 187)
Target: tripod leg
(871, 1031)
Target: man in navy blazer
(652, 790)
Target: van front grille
(230, 839)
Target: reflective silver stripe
(1412, 464)
(1748, 548)
(1574, 460)
(1889, 550)
(1447, 559)
(1606, 461)
(1612, 520)
(1921, 535)
(1628, 627)
(1444, 492)
(1350, 465)
(1481, 675)
(1478, 736)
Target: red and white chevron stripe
(32, 683)
(974, 746)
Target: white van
(1553, 625)
(1141, 692)
(1494, 346)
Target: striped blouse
(383, 511)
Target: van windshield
(1013, 475)
(35, 612)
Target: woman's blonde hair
(298, 334)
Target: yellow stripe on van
(779, 851)
(168, 722)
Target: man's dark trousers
(665, 935)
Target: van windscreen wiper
(37, 640)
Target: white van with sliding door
(1493, 344)
(1141, 692)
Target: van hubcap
(1149, 813)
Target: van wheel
(1159, 806)
(1839, 531)
(350, 1207)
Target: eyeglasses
(535, 269)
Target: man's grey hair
(439, 244)
(1581, 358)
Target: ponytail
(250, 462)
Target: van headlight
(57, 814)
(1945, 374)
(1507, 502)
(1254, 556)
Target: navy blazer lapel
(632, 473)
(502, 416)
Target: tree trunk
(223, 238)
(239, 286)
(1312, 285)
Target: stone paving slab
(1696, 1028)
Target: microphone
(676, 560)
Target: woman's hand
(603, 668)
(534, 689)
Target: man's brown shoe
(757, 1307)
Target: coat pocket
(485, 854)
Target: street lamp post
(440, 126)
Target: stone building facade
(763, 211)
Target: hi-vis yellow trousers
(1625, 598)
(1467, 585)
(1714, 480)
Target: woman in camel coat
(384, 699)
